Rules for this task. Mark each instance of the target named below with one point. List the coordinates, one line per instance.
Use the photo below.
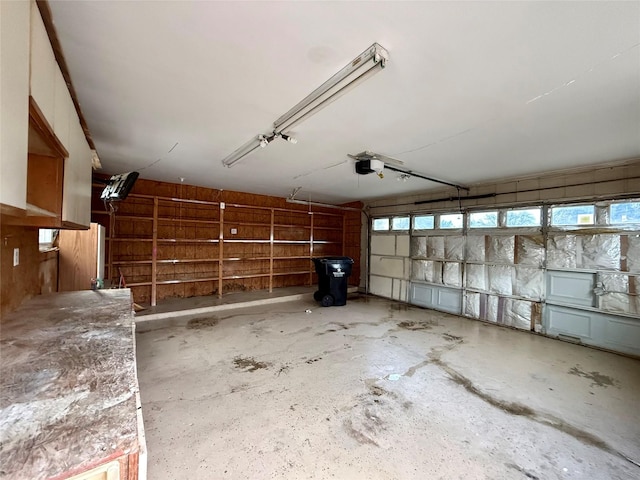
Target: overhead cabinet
(45, 158)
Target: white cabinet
(76, 199)
(14, 104)
(39, 123)
(43, 67)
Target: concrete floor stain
(452, 338)
(518, 409)
(357, 435)
(249, 364)
(597, 378)
(202, 322)
(409, 325)
(522, 470)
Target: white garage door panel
(388, 267)
(381, 286)
(594, 328)
(437, 297)
(569, 322)
(383, 245)
(574, 288)
(623, 332)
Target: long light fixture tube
(244, 150)
(369, 62)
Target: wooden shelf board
(238, 277)
(189, 220)
(186, 280)
(241, 259)
(188, 260)
(125, 239)
(246, 241)
(133, 262)
(304, 272)
(132, 217)
(187, 240)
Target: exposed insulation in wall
(452, 274)
(600, 251)
(632, 256)
(530, 250)
(475, 248)
(454, 247)
(500, 249)
(512, 312)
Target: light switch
(16, 257)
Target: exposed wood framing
(168, 245)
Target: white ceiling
(473, 91)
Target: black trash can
(333, 274)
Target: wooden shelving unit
(167, 246)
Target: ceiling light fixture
(244, 150)
(371, 61)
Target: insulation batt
(475, 248)
(419, 246)
(451, 274)
(600, 251)
(501, 249)
(561, 251)
(454, 247)
(529, 281)
(633, 253)
(531, 250)
(435, 247)
(476, 277)
(472, 305)
(501, 279)
(616, 297)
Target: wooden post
(344, 234)
(154, 254)
(271, 238)
(112, 230)
(221, 249)
(311, 247)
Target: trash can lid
(334, 259)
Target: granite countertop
(68, 384)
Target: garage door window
(400, 223)
(573, 215)
(380, 224)
(627, 212)
(528, 217)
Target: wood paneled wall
(176, 240)
(23, 281)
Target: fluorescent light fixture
(246, 149)
(372, 60)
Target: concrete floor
(380, 390)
